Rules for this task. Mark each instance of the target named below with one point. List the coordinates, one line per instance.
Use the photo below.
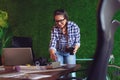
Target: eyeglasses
(57, 21)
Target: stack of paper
(2, 68)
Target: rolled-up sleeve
(53, 40)
(77, 36)
(74, 34)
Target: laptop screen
(17, 56)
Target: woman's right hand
(53, 55)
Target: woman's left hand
(74, 51)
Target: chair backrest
(22, 42)
(17, 56)
(106, 28)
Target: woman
(65, 39)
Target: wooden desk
(55, 73)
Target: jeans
(65, 58)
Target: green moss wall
(34, 18)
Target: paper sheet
(12, 74)
(33, 69)
(24, 75)
(32, 76)
(49, 70)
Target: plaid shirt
(59, 41)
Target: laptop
(17, 56)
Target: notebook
(17, 56)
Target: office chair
(106, 27)
(21, 41)
(24, 42)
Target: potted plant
(3, 30)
